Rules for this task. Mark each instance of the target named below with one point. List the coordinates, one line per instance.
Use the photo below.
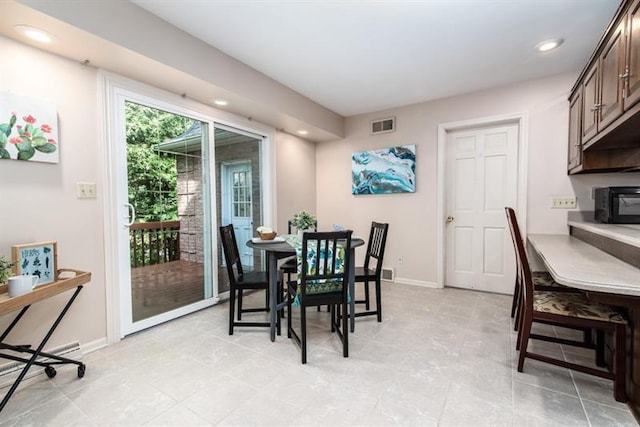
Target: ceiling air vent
(383, 125)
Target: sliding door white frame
(115, 90)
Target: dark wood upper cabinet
(633, 56)
(612, 68)
(575, 124)
(591, 105)
(607, 130)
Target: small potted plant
(6, 269)
(303, 221)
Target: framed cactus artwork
(28, 129)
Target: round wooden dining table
(279, 249)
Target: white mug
(19, 285)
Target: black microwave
(617, 205)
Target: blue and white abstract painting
(385, 171)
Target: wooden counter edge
(8, 305)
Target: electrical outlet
(566, 202)
(86, 190)
(399, 260)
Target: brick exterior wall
(190, 207)
(190, 201)
(248, 151)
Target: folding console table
(22, 302)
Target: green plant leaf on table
(5, 269)
(303, 220)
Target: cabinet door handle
(596, 107)
(625, 82)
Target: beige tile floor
(440, 357)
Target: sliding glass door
(239, 169)
(166, 230)
(174, 174)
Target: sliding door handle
(131, 215)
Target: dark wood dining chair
(324, 280)
(570, 310)
(240, 280)
(290, 266)
(372, 269)
(542, 280)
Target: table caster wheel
(81, 369)
(51, 372)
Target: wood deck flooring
(160, 288)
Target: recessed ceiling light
(221, 102)
(548, 45)
(34, 33)
(303, 132)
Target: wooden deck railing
(154, 242)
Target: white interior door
(481, 179)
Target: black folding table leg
(39, 349)
(13, 323)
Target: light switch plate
(86, 190)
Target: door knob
(449, 219)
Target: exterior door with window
(239, 205)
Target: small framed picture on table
(37, 259)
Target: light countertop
(575, 263)
(625, 233)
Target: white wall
(296, 177)
(38, 200)
(134, 43)
(412, 217)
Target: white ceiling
(361, 56)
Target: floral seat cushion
(574, 305)
(543, 278)
(315, 261)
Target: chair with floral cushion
(290, 266)
(571, 310)
(542, 281)
(323, 279)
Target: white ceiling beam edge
(126, 39)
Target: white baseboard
(10, 371)
(414, 282)
(92, 346)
